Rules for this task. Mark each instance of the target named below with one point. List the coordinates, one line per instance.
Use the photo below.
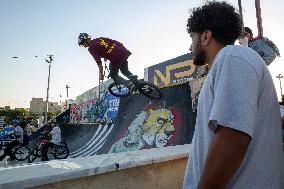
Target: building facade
(37, 106)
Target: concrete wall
(150, 168)
(164, 175)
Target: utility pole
(258, 17)
(67, 87)
(241, 14)
(280, 77)
(49, 61)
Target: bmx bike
(60, 151)
(146, 88)
(20, 151)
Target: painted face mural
(152, 128)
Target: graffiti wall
(137, 123)
(174, 71)
(93, 93)
(142, 123)
(95, 110)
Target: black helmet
(82, 37)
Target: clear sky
(153, 30)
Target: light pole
(280, 77)
(67, 87)
(49, 61)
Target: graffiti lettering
(114, 103)
(182, 80)
(166, 79)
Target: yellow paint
(103, 43)
(106, 45)
(166, 79)
(111, 48)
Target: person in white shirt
(55, 135)
(237, 141)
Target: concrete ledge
(151, 167)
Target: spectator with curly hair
(237, 139)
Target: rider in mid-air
(111, 50)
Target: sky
(153, 30)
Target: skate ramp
(85, 139)
(140, 123)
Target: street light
(49, 61)
(67, 87)
(280, 77)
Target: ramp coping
(36, 174)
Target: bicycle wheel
(61, 151)
(21, 153)
(32, 155)
(119, 90)
(150, 90)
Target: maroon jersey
(109, 49)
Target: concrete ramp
(85, 139)
(140, 123)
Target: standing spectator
(262, 45)
(237, 139)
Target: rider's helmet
(82, 38)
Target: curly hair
(218, 17)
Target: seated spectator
(55, 135)
(19, 135)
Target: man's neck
(212, 53)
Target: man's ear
(206, 37)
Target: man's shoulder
(237, 53)
(235, 50)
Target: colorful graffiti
(137, 123)
(152, 128)
(95, 110)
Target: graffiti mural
(137, 122)
(95, 110)
(152, 128)
(142, 123)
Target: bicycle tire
(61, 151)
(21, 153)
(112, 88)
(32, 155)
(154, 93)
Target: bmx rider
(111, 50)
